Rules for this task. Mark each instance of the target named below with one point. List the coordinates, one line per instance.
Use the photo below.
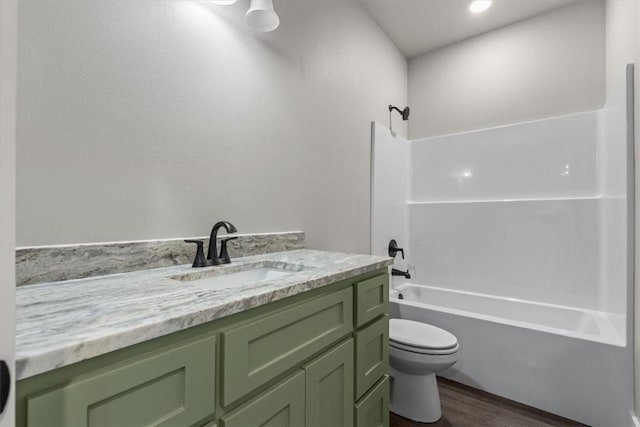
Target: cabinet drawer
(372, 354)
(372, 298)
(373, 409)
(281, 406)
(172, 387)
(261, 349)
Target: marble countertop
(61, 323)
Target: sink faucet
(212, 255)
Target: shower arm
(403, 113)
(393, 107)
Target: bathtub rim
(615, 338)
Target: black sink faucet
(212, 255)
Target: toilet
(418, 352)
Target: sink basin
(241, 278)
(220, 279)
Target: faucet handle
(224, 253)
(199, 260)
(394, 249)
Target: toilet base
(415, 396)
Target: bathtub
(568, 361)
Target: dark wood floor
(464, 406)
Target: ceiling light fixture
(261, 16)
(478, 6)
(223, 2)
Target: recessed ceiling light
(478, 6)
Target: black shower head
(404, 113)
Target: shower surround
(516, 239)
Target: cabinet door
(173, 387)
(372, 354)
(329, 385)
(281, 406)
(373, 409)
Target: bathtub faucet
(396, 272)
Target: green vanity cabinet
(319, 358)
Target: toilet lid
(420, 335)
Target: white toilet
(417, 352)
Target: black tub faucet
(212, 255)
(396, 272)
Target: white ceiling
(418, 26)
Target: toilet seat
(426, 351)
(418, 337)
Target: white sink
(246, 277)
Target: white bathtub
(564, 360)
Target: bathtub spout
(396, 272)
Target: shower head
(404, 113)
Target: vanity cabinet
(319, 358)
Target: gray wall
(549, 65)
(153, 119)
